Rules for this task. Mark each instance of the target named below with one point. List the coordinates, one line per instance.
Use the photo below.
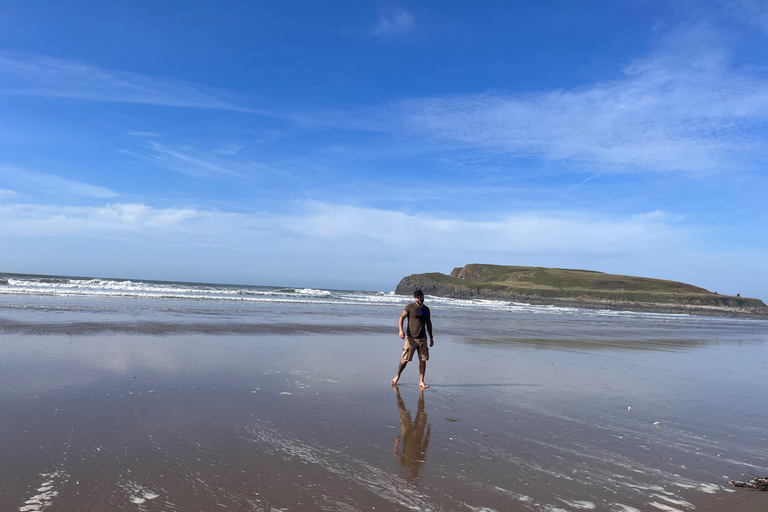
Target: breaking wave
(14, 284)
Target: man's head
(418, 295)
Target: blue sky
(349, 143)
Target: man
(415, 336)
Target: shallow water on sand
(149, 405)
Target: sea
(93, 304)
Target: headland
(580, 288)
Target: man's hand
(431, 342)
(402, 335)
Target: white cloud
(393, 21)
(198, 163)
(229, 149)
(686, 107)
(187, 161)
(657, 215)
(52, 184)
(30, 74)
(356, 228)
(327, 244)
(29, 219)
(561, 232)
(6, 193)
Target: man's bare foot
(423, 385)
(394, 382)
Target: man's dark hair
(417, 293)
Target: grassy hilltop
(482, 281)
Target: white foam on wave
(619, 507)
(580, 504)
(138, 494)
(662, 506)
(479, 509)
(709, 488)
(526, 500)
(674, 501)
(313, 292)
(46, 492)
(97, 287)
(100, 284)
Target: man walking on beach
(415, 336)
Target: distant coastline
(580, 289)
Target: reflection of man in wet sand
(414, 435)
(415, 336)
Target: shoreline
(645, 307)
(604, 304)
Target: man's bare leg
(422, 371)
(399, 371)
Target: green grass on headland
(513, 282)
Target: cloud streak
(196, 163)
(684, 108)
(354, 226)
(393, 21)
(37, 182)
(561, 232)
(28, 74)
(29, 219)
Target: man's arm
(429, 330)
(400, 322)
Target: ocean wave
(312, 292)
(129, 288)
(96, 284)
(126, 286)
(154, 295)
(135, 289)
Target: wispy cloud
(30, 74)
(198, 163)
(145, 134)
(358, 227)
(686, 107)
(229, 149)
(188, 161)
(565, 232)
(4, 193)
(393, 21)
(33, 219)
(751, 12)
(51, 184)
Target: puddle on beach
(194, 422)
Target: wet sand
(187, 422)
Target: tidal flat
(529, 409)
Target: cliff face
(540, 285)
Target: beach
(152, 396)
